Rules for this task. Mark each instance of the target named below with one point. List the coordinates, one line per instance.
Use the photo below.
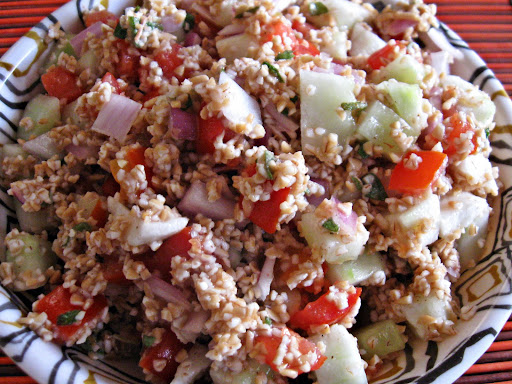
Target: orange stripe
(14, 31)
(508, 324)
(8, 40)
(461, 17)
(473, 27)
(5, 4)
(22, 20)
(503, 382)
(17, 380)
(490, 367)
(483, 10)
(26, 11)
(6, 361)
(500, 346)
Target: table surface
(487, 27)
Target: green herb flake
(188, 104)
(285, 111)
(148, 341)
(267, 158)
(361, 152)
(331, 226)
(357, 183)
(155, 25)
(68, 318)
(133, 21)
(67, 241)
(294, 99)
(189, 22)
(487, 133)
(137, 9)
(317, 8)
(81, 227)
(354, 106)
(285, 55)
(376, 190)
(268, 320)
(250, 10)
(120, 32)
(274, 71)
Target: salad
(249, 191)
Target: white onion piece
(191, 39)
(435, 40)
(116, 117)
(43, 146)
(440, 61)
(170, 25)
(347, 223)
(266, 277)
(196, 201)
(182, 125)
(167, 292)
(82, 152)
(195, 322)
(232, 29)
(78, 41)
(285, 123)
(193, 367)
(204, 13)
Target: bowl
(486, 288)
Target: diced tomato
(150, 95)
(456, 127)
(270, 346)
(134, 156)
(386, 54)
(207, 132)
(100, 214)
(166, 350)
(322, 311)
(103, 16)
(176, 245)
(128, 64)
(58, 302)
(414, 181)
(168, 60)
(109, 78)
(112, 270)
(61, 83)
(299, 46)
(94, 207)
(110, 186)
(265, 214)
(285, 269)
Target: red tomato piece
(109, 78)
(322, 311)
(299, 46)
(414, 181)
(128, 64)
(166, 349)
(103, 16)
(112, 270)
(58, 303)
(150, 95)
(168, 60)
(110, 186)
(456, 127)
(134, 156)
(271, 345)
(386, 54)
(100, 214)
(265, 214)
(207, 132)
(61, 83)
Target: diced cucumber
(338, 47)
(321, 94)
(329, 245)
(381, 339)
(376, 128)
(44, 111)
(427, 210)
(65, 47)
(473, 100)
(13, 150)
(247, 376)
(470, 247)
(89, 60)
(364, 41)
(345, 13)
(406, 100)
(236, 46)
(69, 113)
(344, 364)
(35, 254)
(422, 306)
(33, 222)
(405, 69)
(357, 270)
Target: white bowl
(487, 286)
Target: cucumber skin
(44, 111)
(381, 339)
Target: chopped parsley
(189, 22)
(285, 55)
(331, 226)
(274, 71)
(80, 227)
(375, 190)
(267, 320)
(68, 318)
(187, 105)
(357, 183)
(285, 111)
(294, 99)
(137, 8)
(148, 341)
(155, 25)
(267, 158)
(250, 10)
(354, 106)
(361, 152)
(120, 32)
(132, 22)
(317, 8)
(487, 133)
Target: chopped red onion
(196, 201)
(347, 223)
(82, 152)
(78, 41)
(116, 117)
(191, 39)
(398, 26)
(266, 277)
(195, 321)
(170, 25)
(232, 29)
(16, 192)
(286, 124)
(435, 40)
(167, 292)
(440, 61)
(43, 146)
(316, 200)
(182, 125)
(204, 13)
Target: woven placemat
(486, 25)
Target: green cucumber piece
(357, 270)
(33, 222)
(247, 376)
(381, 339)
(89, 60)
(405, 69)
(44, 111)
(13, 150)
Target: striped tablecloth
(485, 24)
